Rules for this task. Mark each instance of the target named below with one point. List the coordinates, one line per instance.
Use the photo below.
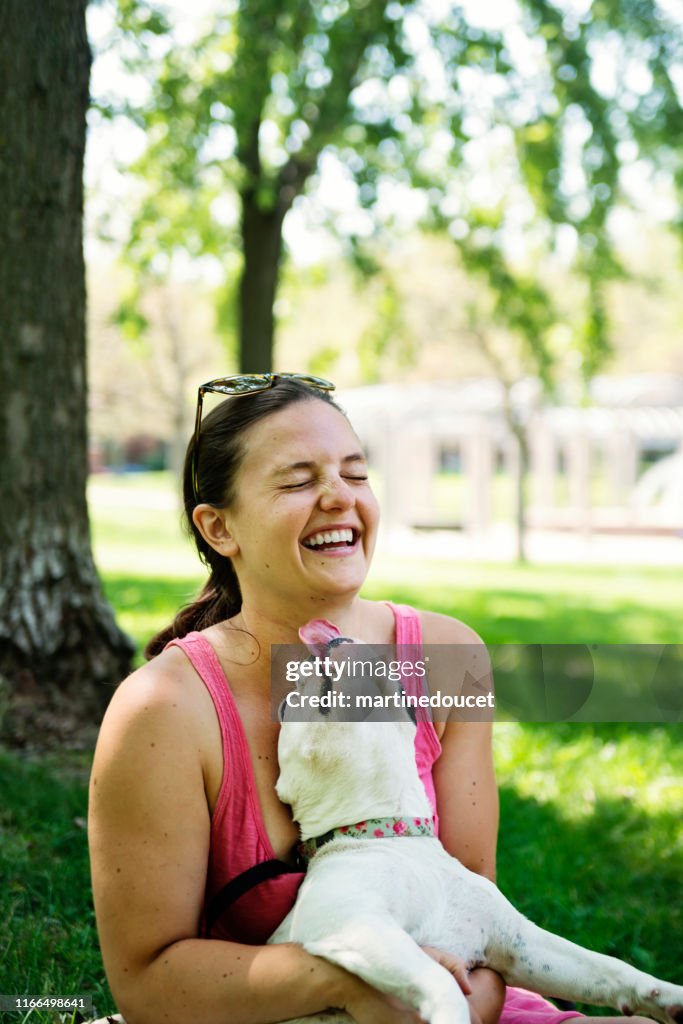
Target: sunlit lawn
(591, 835)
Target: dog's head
(344, 680)
(345, 761)
(317, 683)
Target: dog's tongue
(317, 634)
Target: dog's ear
(317, 635)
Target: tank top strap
(408, 625)
(204, 660)
(409, 650)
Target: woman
(182, 789)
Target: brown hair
(220, 452)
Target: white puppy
(368, 903)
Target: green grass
(48, 945)
(591, 840)
(541, 603)
(591, 835)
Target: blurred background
(467, 217)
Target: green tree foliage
(517, 140)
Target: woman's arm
(464, 775)
(149, 841)
(467, 796)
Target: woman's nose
(336, 493)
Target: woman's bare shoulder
(167, 676)
(445, 629)
(165, 693)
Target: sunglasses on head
(236, 386)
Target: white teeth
(331, 537)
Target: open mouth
(332, 540)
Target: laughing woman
(182, 795)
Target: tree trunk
(175, 394)
(521, 473)
(262, 248)
(61, 653)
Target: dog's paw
(663, 1002)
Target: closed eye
(306, 483)
(294, 487)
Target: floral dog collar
(373, 828)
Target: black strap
(237, 887)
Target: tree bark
(61, 653)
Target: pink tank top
(238, 836)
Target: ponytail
(219, 599)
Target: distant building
(446, 458)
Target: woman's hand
(484, 988)
(455, 965)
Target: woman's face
(304, 521)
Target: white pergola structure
(407, 428)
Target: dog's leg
(379, 952)
(531, 957)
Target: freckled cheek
(281, 540)
(371, 512)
